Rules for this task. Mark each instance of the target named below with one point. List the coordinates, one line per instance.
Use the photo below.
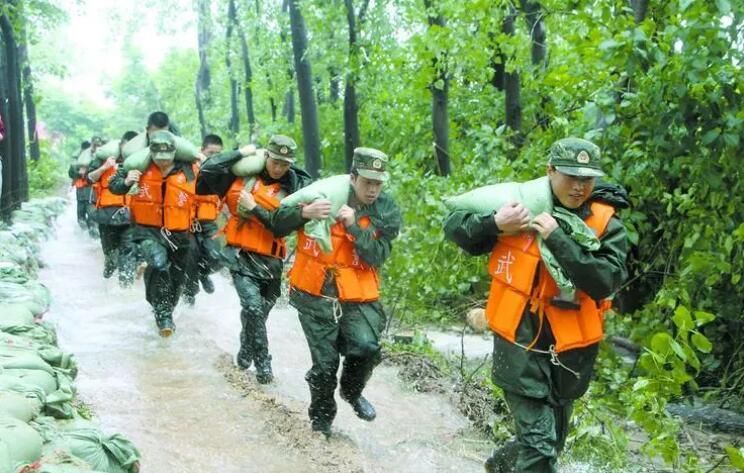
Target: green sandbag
(23, 442)
(535, 195)
(32, 294)
(5, 465)
(185, 150)
(43, 332)
(15, 314)
(84, 158)
(112, 454)
(336, 189)
(60, 461)
(13, 272)
(38, 378)
(59, 403)
(110, 149)
(51, 354)
(15, 360)
(250, 165)
(35, 394)
(17, 406)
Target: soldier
(541, 359)
(112, 214)
(163, 212)
(337, 294)
(84, 193)
(205, 230)
(254, 254)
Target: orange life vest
(167, 203)
(356, 281)
(515, 261)
(249, 233)
(106, 198)
(207, 207)
(80, 182)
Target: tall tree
(248, 75)
(535, 19)
(512, 100)
(351, 108)
(28, 96)
(232, 20)
(13, 149)
(439, 95)
(308, 107)
(203, 78)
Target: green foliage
(47, 175)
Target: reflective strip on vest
(513, 266)
(165, 203)
(249, 233)
(355, 280)
(106, 198)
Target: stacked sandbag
(336, 189)
(41, 429)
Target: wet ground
(187, 410)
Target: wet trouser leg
(361, 326)
(110, 243)
(257, 297)
(165, 276)
(128, 257)
(82, 213)
(541, 428)
(321, 332)
(209, 250)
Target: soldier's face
(211, 149)
(276, 168)
(571, 191)
(367, 190)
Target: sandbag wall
(43, 429)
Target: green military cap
(163, 145)
(575, 157)
(96, 141)
(370, 163)
(282, 147)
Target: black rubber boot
(264, 375)
(207, 284)
(354, 377)
(504, 459)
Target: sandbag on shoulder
(185, 150)
(250, 165)
(336, 189)
(535, 195)
(110, 149)
(84, 158)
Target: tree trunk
(512, 100)
(289, 105)
(535, 23)
(333, 89)
(308, 108)
(15, 177)
(439, 100)
(28, 98)
(203, 78)
(232, 22)
(248, 77)
(640, 8)
(351, 108)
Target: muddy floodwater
(173, 400)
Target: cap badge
(284, 150)
(377, 164)
(583, 157)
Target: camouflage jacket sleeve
(117, 184)
(375, 242)
(72, 171)
(297, 180)
(598, 273)
(215, 176)
(474, 233)
(285, 220)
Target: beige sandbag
(110, 149)
(250, 165)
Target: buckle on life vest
(564, 304)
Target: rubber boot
(354, 377)
(504, 459)
(264, 375)
(246, 351)
(322, 408)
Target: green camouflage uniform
(257, 277)
(356, 334)
(170, 261)
(539, 393)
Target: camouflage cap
(370, 163)
(97, 141)
(282, 147)
(163, 145)
(575, 157)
